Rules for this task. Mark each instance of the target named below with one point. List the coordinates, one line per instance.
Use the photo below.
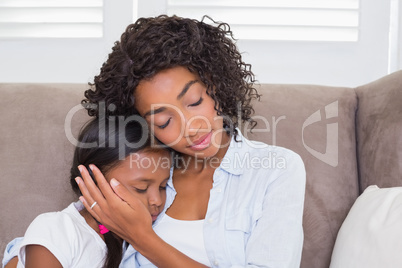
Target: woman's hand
(116, 208)
(127, 217)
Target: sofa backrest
(318, 123)
(379, 132)
(35, 154)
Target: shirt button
(216, 263)
(210, 220)
(219, 190)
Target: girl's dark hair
(154, 44)
(103, 142)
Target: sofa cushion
(379, 132)
(318, 123)
(370, 235)
(35, 154)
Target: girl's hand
(118, 210)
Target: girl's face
(180, 112)
(145, 175)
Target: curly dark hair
(154, 44)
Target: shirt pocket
(239, 220)
(238, 230)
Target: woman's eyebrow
(159, 110)
(186, 88)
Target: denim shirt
(255, 209)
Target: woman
(188, 81)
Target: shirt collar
(232, 161)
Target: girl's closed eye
(140, 191)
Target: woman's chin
(208, 152)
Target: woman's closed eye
(197, 103)
(192, 105)
(165, 125)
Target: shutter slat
(72, 15)
(337, 4)
(51, 3)
(56, 30)
(51, 19)
(273, 16)
(315, 20)
(291, 33)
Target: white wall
(329, 63)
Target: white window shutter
(51, 18)
(283, 20)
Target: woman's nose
(194, 125)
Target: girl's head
(118, 148)
(153, 45)
(121, 150)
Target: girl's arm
(37, 256)
(12, 263)
(126, 216)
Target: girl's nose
(155, 199)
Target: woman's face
(145, 175)
(180, 112)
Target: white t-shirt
(68, 237)
(185, 236)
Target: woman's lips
(202, 142)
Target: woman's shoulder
(254, 148)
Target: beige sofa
(349, 138)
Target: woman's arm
(277, 239)
(37, 256)
(126, 216)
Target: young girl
(229, 204)
(72, 237)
